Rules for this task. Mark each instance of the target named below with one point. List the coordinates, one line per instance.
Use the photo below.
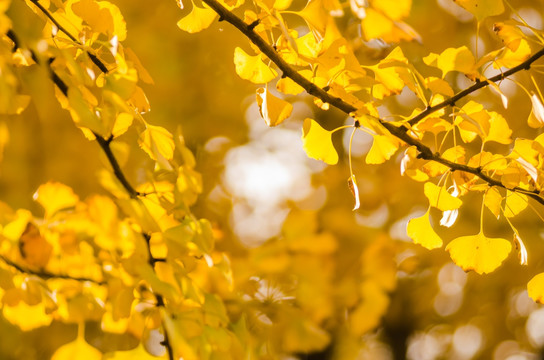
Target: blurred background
(255, 177)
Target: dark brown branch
(61, 28)
(160, 300)
(399, 132)
(46, 274)
(451, 101)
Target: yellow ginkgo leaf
(77, 349)
(198, 19)
(499, 131)
(54, 196)
(273, 109)
(509, 58)
(440, 198)
(482, 8)
(382, 149)
(101, 16)
(421, 232)
(515, 203)
(395, 9)
(252, 68)
(317, 142)
(535, 288)
(315, 15)
(456, 59)
(493, 200)
(478, 252)
(27, 317)
(157, 142)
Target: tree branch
(61, 28)
(46, 274)
(399, 132)
(451, 101)
(160, 300)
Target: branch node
(254, 24)
(357, 124)
(221, 18)
(326, 88)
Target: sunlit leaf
(515, 203)
(456, 59)
(478, 252)
(537, 112)
(440, 198)
(197, 20)
(27, 317)
(252, 68)
(317, 142)
(157, 142)
(54, 196)
(421, 232)
(273, 109)
(535, 288)
(482, 8)
(383, 147)
(493, 200)
(352, 184)
(101, 16)
(521, 249)
(510, 59)
(77, 349)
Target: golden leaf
(273, 109)
(317, 142)
(252, 68)
(54, 196)
(421, 232)
(535, 288)
(440, 198)
(478, 252)
(383, 147)
(482, 8)
(197, 20)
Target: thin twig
(61, 28)
(526, 65)
(160, 300)
(47, 274)
(399, 132)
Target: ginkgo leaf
(515, 203)
(440, 198)
(197, 20)
(478, 252)
(27, 317)
(383, 147)
(499, 131)
(101, 16)
(77, 349)
(34, 248)
(421, 232)
(252, 68)
(510, 59)
(352, 184)
(522, 250)
(273, 109)
(315, 15)
(493, 200)
(537, 112)
(317, 142)
(482, 8)
(456, 59)
(54, 196)
(535, 288)
(157, 142)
